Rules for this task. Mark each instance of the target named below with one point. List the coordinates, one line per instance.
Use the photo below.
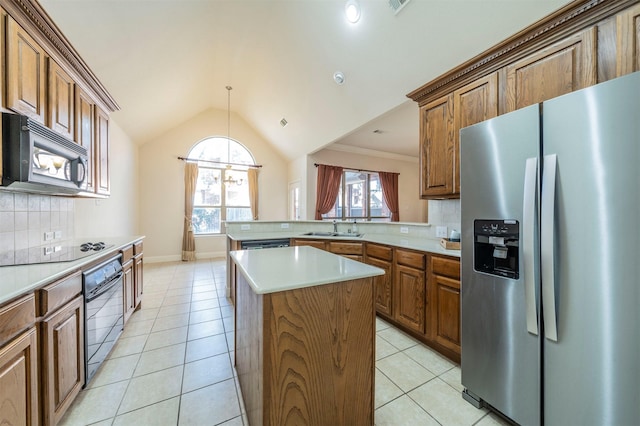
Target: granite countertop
(421, 244)
(19, 280)
(304, 266)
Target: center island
(305, 337)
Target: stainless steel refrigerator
(550, 199)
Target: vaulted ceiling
(165, 61)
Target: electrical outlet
(247, 227)
(441, 231)
(404, 229)
(284, 226)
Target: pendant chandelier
(229, 179)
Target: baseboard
(178, 258)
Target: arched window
(222, 191)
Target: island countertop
(290, 268)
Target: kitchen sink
(333, 234)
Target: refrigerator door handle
(528, 242)
(547, 245)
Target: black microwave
(36, 159)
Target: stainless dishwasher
(262, 244)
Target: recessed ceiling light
(338, 77)
(352, 10)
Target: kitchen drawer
(410, 258)
(16, 317)
(137, 248)
(445, 266)
(127, 253)
(379, 252)
(344, 247)
(322, 245)
(56, 294)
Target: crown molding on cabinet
(35, 20)
(568, 20)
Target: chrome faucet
(335, 226)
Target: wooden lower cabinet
(62, 359)
(419, 292)
(132, 282)
(319, 244)
(60, 307)
(232, 245)
(19, 380)
(382, 257)
(444, 301)
(138, 279)
(19, 363)
(128, 289)
(348, 249)
(410, 298)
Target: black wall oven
(104, 309)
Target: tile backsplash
(26, 218)
(444, 213)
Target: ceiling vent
(283, 122)
(397, 5)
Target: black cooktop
(52, 254)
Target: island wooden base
(307, 356)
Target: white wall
(162, 183)
(412, 208)
(118, 214)
(298, 174)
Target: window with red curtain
(359, 197)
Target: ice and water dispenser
(496, 250)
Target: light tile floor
(173, 364)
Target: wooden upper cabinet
(61, 115)
(3, 72)
(436, 148)
(628, 41)
(559, 69)
(473, 103)
(102, 151)
(25, 73)
(84, 107)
